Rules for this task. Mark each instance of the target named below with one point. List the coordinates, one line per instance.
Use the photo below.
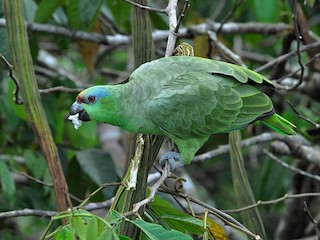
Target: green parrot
(184, 98)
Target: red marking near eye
(79, 99)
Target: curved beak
(77, 107)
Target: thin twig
(235, 58)
(59, 89)
(315, 223)
(291, 168)
(284, 57)
(303, 117)
(107, 203)
(165, 174)
(146, 7)
(31, 178)
(229, 15)
(294, 73)
(44, 183)
(83, 205)
(103, 186)
(16, 98)
(298, 39)
(272, 202)
(224, 217)
(182, 15)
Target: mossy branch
(23, 68)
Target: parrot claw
(173, 158)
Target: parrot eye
(91, 99)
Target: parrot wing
(198, 104)
(195, 105)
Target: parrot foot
(173, 159)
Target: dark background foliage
(63, 55)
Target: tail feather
(279, 124)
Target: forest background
(77, 44)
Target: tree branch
(145, 7)
(22, 61)
(224, 217)
(27, 212)
(60, 89)
(284, 57)
(158, 35)
(273, 201)
(16, 98)
(230, 54)
(291, 168)
(47, 214)
(165, 174)
(223, 149)
(172, 17)
(298, 39)
(313, 221)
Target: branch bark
(24, 70)
(159, 35)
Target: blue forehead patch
(97, 91)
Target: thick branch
(153, 190)
(298, 146)
(23, 66)
(159, 35)
(172, 16)
(47, 214)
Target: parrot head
(89, 103)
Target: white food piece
(75, 120)
(132, 183)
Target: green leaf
(10, 122)
(46, 8)
(29, 8)
(65, 233)
(79, 183)
(113, 217)
(266, 11)
(174, 218)
(99, 166)
(7, 184)
(80, 226)
(89, 10)
(157, 232)
(122, 237)
(120, 12)
(82, 14)
(73, 15)
(87, 134)
(95, 228)
(36, 164)
(4, 48)
(108, 234)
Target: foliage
(94, 154)
(86, 225)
